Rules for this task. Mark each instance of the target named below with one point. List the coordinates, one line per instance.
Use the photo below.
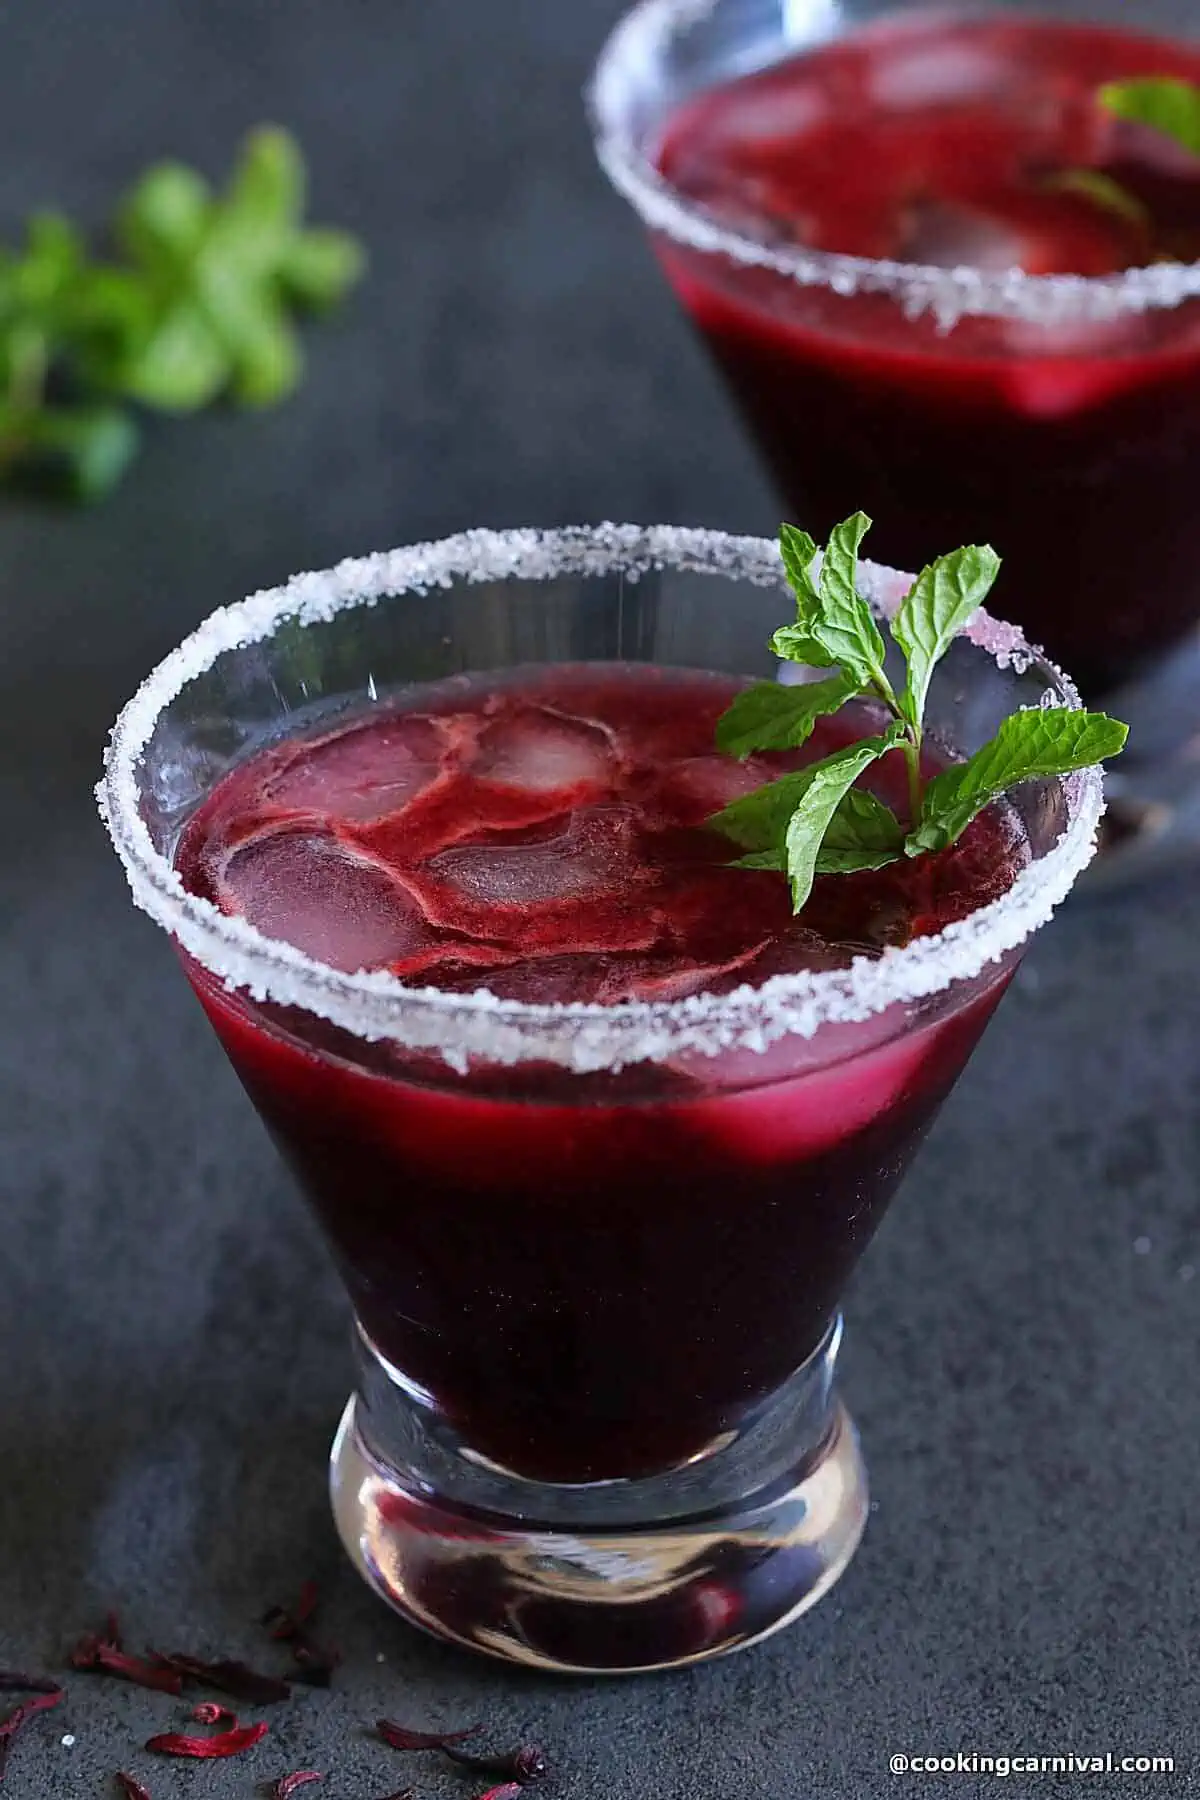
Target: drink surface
(951, 142)
(544, 836)
(588, 1277)
(965, 141)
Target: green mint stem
(916, 790)
(911, 744)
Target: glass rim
(583, 1036)
(950, 294)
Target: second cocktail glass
(595, 1252)
(862, 239)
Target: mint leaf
(319, 266)
(182, 365)
(1028, 744)
(799, 552)
(934, 610)
(759, 821)
(862, 834)
(844, 624)
(265, 200)
(775, 860)
(80, 452)
(798, 643)
(163, 218)
(1160, 101)
(769, 716)
(829, 782)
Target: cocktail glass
(1056, 417)
(595, 1254)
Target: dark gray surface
(1023, 1338)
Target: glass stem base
(605, 1577)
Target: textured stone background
(172, 1345)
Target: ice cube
(580, 887)
(771, 110)
(590, 855)
(950, 236)
(538, 981)
(690, 791)
(593, 979)
(675, 978)
(541, 751)
(946, 72)
(308, 889)
(1039, 233)
(366, 773)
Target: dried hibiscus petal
(225, 1743)
(131, 1788)
(400, 1737)
(233, 1678)
(524, 1764)
(508, 1790)
(287, 1785)
(20, 1717)
(210, 1712)
(315, 1662)
(284, 1625)
(100, 1653)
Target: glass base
(604, 1577)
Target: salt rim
(638, 41)
(583, 1037)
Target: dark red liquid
(591, 1275)
(1071, 448)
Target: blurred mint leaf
(319, 266)
(770, 716)
(76, 453)
(266, 192)
(196, 304)
(182, 366)
(934, 611)
(1101, 190)
(222, 271)
(1041, 742)
(1163, 102)
(161, 222)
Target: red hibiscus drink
(595, 1126)
(943, 283)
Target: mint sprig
(196, 303)
(815, 820)
(1163, 102)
